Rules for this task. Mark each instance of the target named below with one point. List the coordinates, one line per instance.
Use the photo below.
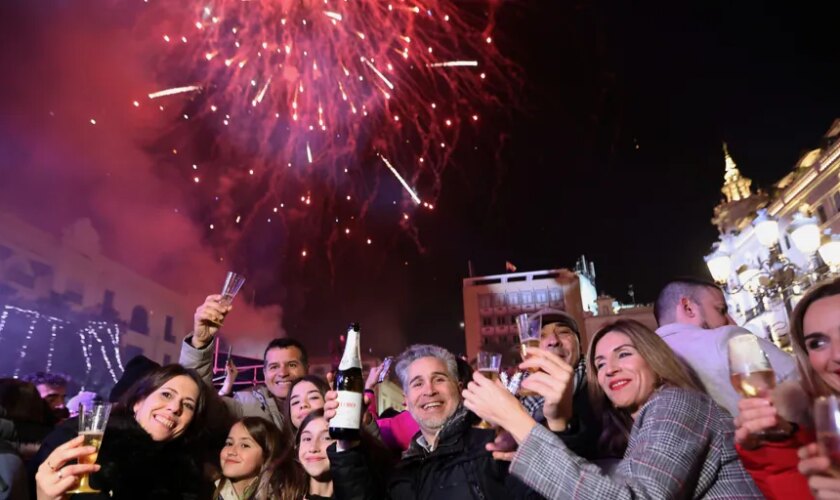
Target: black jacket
(459, 468)
(134, 466)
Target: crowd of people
(636, 414)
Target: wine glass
(529, 338)
(92, 424)
(233, 282)
(751, 375)
(488, 364)
(750, 371)
(827, 424)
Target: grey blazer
(681, 446)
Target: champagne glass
(488, 364)
(92, 424)
(233, 282)
(827, 424)
(750, 371)
(529, 338)
(751, 374)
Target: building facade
(69, 308)
(766, 278)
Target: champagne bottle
(350, 387)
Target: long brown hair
(668, 369)
(810, 380)
(275, 444)
(315, 380)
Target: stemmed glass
(92, 424)
(827, 424)
(488, 364)
(751, 374)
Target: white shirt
(704, 352)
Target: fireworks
(321, 92)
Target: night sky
(614, 152)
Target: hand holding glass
(827, 425)
(751, 375)
(92, 424)
(488, 364)
(233, 282)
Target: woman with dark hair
(675, 441)
(313, 439)
(305, 395)
(25, 420)
(150, 446)
(256, 450)
(779, 466)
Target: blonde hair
(669, 370)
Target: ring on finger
(60, 475)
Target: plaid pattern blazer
(681, 446)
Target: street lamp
(805, 234)
(830, 251)
(766, 229)
(720, 265)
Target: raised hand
(231, 372)
(54, 477)
(757, 415)
(555, 382)
(207, 320)
(816, 468)
(491, 401)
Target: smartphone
(386, 367)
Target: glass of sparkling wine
(92, 424)
(529, 338)
(488, 364)
(827, 424)
(751, 373)
(233, 282)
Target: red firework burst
(328, 92)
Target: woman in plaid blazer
(675, 441)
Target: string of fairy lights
(99, 340)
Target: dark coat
(134, 465)
(459, 468)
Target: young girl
(312, 441)
(254, 450)
(305, 395)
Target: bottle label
(351, 357)
(349, 412)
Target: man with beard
(694, 321)
(284, 361)
(560, 336)
(447, 459)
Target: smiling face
(167, 412)
(242, 457)
(623, 374)
(304, 398)
(312, 451)
(562, 341)
(283, 366)
(432, 395)
(821, 326)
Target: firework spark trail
(322, 84)
(174, 91)
(402, 181)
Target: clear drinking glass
(751, 374)
(488, 364)
(827, 424)
(529, 338)
(750, 371)
(92, 424)
(233, 282)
